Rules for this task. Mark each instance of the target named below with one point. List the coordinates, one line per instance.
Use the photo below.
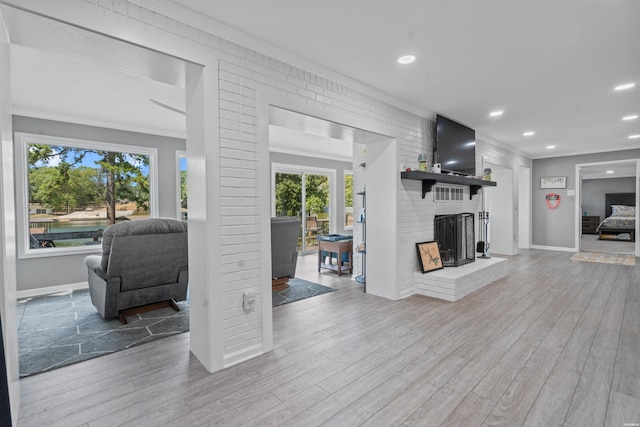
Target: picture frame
(553, 182)
(429, 256)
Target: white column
(203, 176)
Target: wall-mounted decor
(553, 182)
(429, 256)
(553, 200)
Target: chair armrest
(183, 275)
(93, 263)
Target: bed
(620, 223)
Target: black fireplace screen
(455, 235)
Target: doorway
(372, 165)
(600, 185)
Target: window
(181, 190)
(348, 200)
(71, 190)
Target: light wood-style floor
(591, 243)
(556, 342)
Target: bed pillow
(622, 210)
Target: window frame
(21, 142)
(346, 172)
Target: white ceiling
(612, 170)
(50, 86)
(550, 65)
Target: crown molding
(224, 31)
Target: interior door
(499, 201)
(8, 301)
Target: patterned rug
(65, 328)
(298, 289)
(605, 258)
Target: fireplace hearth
(455, 235)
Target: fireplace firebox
(455, 235)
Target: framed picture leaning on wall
(429, 256)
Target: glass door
(307, 196)
(288, 198)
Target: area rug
(65, 328)
(605, 258)
(298, 289)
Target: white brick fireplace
(450, 283)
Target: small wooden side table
(339, 247)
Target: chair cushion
(137, 228)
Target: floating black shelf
(429, 179)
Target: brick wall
(242, 72)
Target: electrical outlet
(249, 300)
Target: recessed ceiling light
(496, 113)
(625, 86)
(407, 59)
(529, 133)
(634, 136)
(609, 171)
(631, 117)
(549, 147)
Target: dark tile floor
(298, 289)
(60, 329)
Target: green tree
(121, 176)
(288, 194)
(317, 191)
(183, 189)
(62, 188)
(348, 191)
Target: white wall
(7, 232)
(248, 81)
(381, 219)
(556, 228)
(524, 207)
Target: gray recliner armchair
(284, 250)
(143, 266)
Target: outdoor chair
(312, 229)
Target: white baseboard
(28, 293)
(242, 355)
(553, 248)
(407, 293)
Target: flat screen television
(455, 147)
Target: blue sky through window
(90, 160)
